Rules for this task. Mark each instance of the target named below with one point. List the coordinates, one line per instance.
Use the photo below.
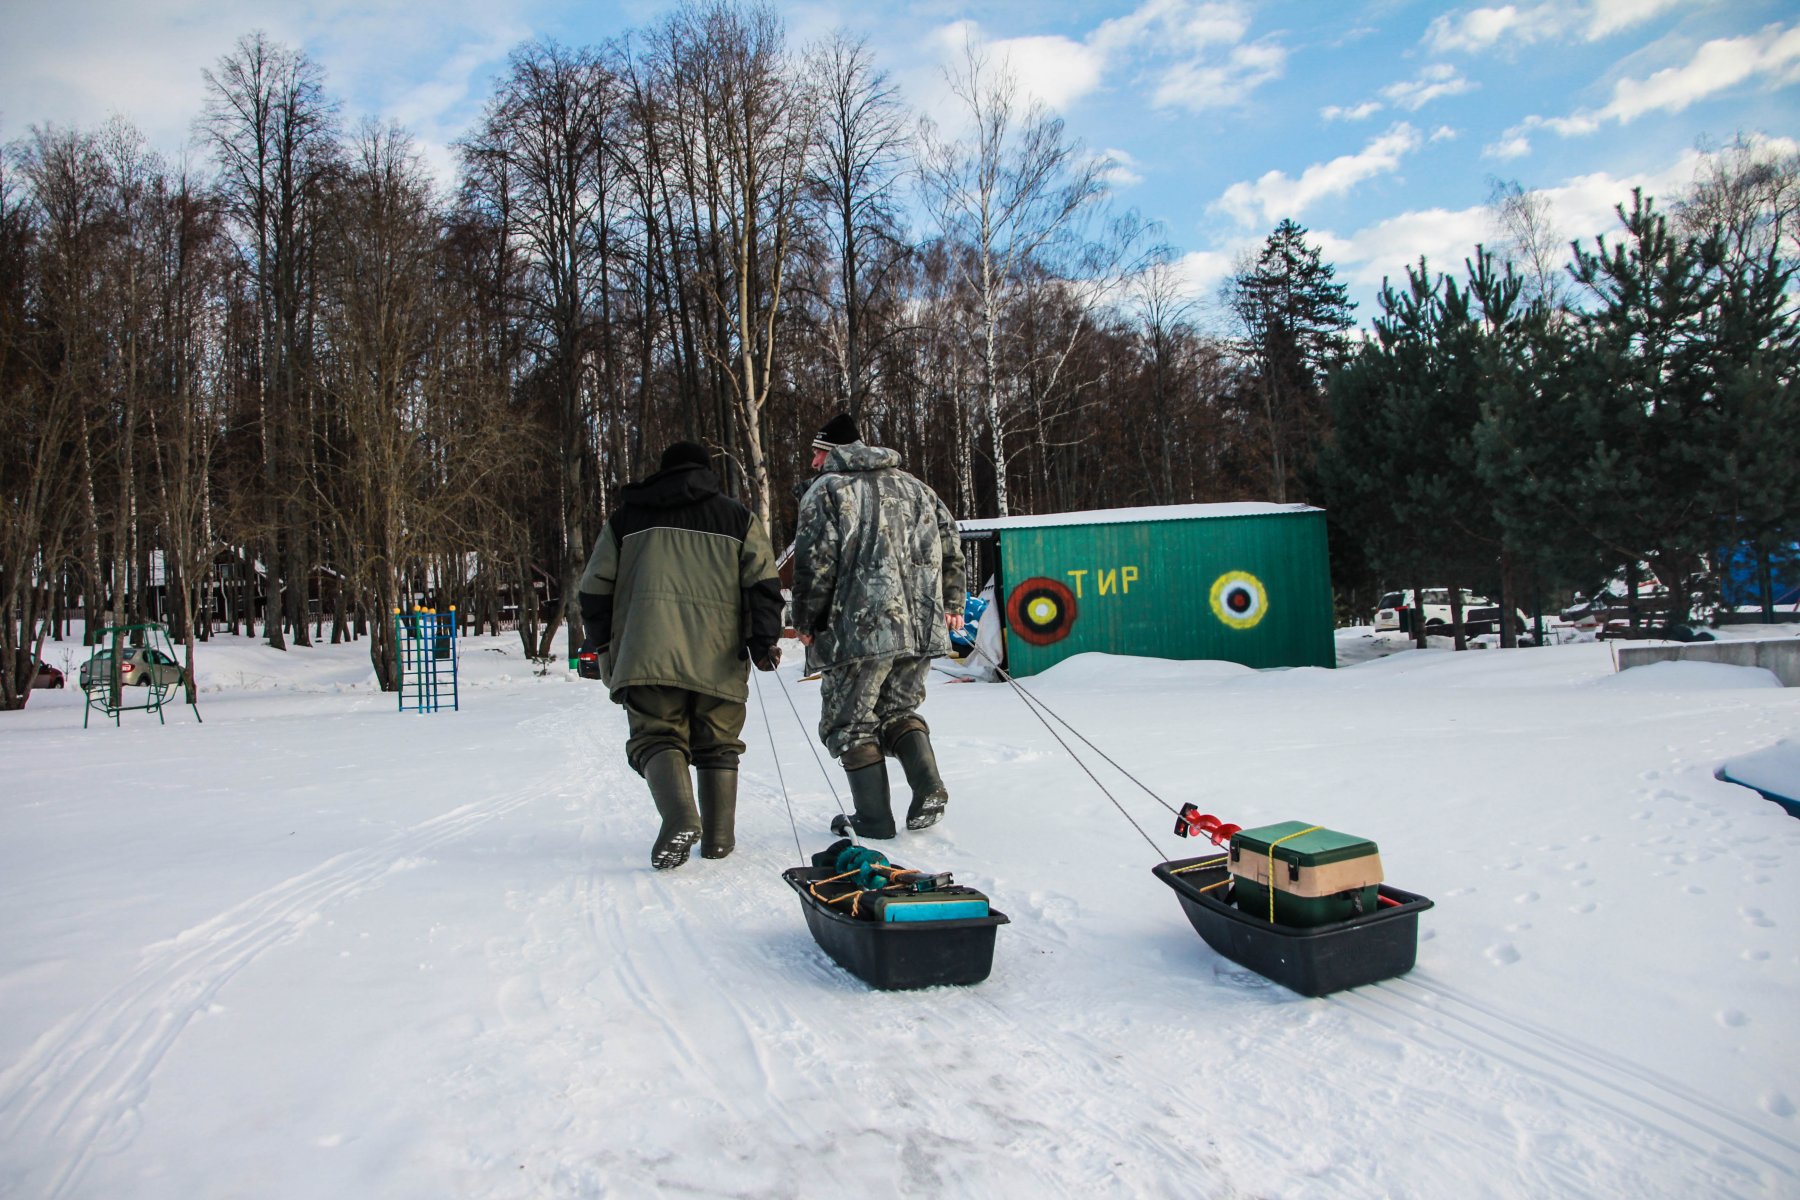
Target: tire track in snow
(81, 1085)
(1630, 1091)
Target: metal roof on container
(1123, 516)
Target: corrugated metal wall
(1150, 587)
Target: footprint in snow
(1503, 955)
(1732, 1018)
(1238, 977)
(1755, 917)
(1776, 1104)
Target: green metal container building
(1246, 583)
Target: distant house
(1247, 583)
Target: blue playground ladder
(425, 641)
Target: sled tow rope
(1034, 705)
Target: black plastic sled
(1313, 961)
(894, 956)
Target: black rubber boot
(673, 791)
(929, 795)
(718, 811)
(874, 817)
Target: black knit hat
(839, 431)
(686, 454)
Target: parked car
(1389, 615)
(139, 666)
(47, 676)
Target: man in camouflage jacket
(878, 584)
(679, 592)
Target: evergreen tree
(1295, 319)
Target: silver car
(139, 666)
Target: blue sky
(1379, 125)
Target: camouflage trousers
(864, 702)
(704, 728)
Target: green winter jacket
(680, 583)
(877, 561)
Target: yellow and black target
(1041, 611)
(1239, 599)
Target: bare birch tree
(1009, 187)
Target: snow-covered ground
(316, 948)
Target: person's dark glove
(587, 661)
(765, 653)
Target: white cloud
(1439, 79)
(420, 65)
(1717, 65)
(1202, 271)
(1512, 144)
(1121, 170)
(1384, 250)
(1196, 52)
(1444, 133)
(1199, 84)
(1334, 112)
(1193, 53)
(1581, 208)
(1479, 29)
(1607, 17)
(1055, 70)
(1772, 53)
(1276, 195)
(1178, 25)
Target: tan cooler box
(1319, 875)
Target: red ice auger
(1191, 822)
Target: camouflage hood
(858, 456)
(877, 561)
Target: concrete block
(1780, 656)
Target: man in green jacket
(878, 584)
(680, 590)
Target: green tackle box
(1319, 875)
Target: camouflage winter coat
(877, 561)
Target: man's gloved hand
(765, 653)
(587, 661)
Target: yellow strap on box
(1271, 883)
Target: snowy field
(315, 948)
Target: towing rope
(769, 728)
(1032, 699)
(780, 777)
(1032, 703)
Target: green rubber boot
(718, 812)
(673, 791)
(874, 817)
(929, 796)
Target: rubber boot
(673, 791)
(874, 817)
(929, 795)
(718, 811)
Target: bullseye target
(1239, 599)
(1041, 611)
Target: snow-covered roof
(1121, 516)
